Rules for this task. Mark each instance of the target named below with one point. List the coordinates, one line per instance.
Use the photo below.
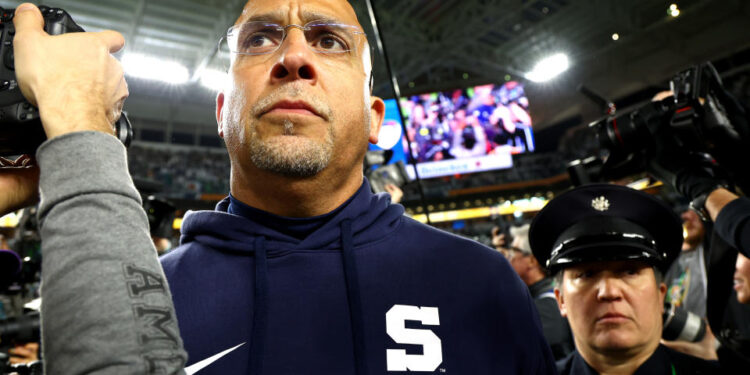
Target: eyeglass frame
(284, 29)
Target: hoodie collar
(372, 217)
(296, 227)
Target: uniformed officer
(608, 247)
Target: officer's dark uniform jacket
(664, 361)
(555, 328)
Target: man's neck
(618, 363)
(293, 197)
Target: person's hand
(26, 353)
(18, 188)
(396, 193)
(705, 348)
(498, 238)
(692, 175)
(72, 78)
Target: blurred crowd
(184, 173)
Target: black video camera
(21, 130)
(701, 117)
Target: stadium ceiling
(439, 45)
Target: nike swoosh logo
(197, 366)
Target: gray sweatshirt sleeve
(106, 306)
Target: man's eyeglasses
(260, 38)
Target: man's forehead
(281, 11)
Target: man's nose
(608, 289)
(296, 59)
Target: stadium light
(214, 79)
(673, 10)
(549, 68)
(155, 68)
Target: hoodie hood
(371, 215)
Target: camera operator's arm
(106, 307)
(731, 215)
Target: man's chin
(292, 156)
(284, 142)
(616, 340)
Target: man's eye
(330, 43)
(257, 40)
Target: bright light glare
(214, 79)
(615, 36)
(673, 10)
(155, 68)
(549, 68)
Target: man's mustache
(291, 92)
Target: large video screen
(468, 130)
(460, 131)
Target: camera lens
(682, 325)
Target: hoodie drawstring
(353, 294)
(260, 308)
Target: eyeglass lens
(256, 38)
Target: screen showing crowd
(460, 131)
(471, 122)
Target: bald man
(301, 269)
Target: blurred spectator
(742, 279)
(162, 245)
(395, 192)
(686, 277)
(555, 328)
(687, 285)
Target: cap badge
(600, 204)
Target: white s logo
(432, 356)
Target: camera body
(700, 117)
(21, 130)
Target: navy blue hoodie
(369, 292)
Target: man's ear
(219, 109)
(377, 113)
(561, 303)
